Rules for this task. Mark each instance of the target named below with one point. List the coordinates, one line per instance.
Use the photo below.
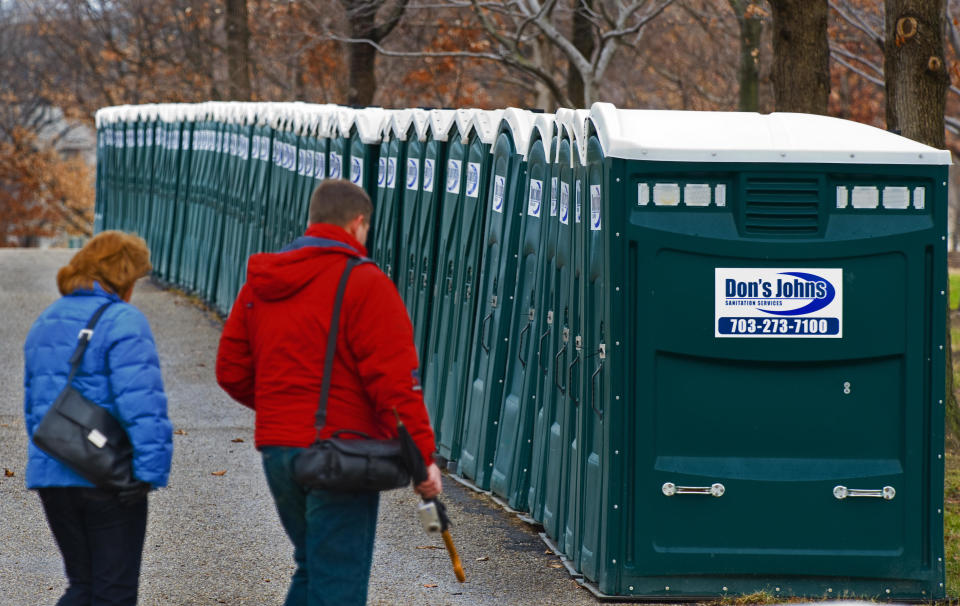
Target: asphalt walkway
(213, 535)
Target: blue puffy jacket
(120, 371)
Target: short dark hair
(338, 201)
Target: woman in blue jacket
(100, 533)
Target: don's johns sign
(778, 302)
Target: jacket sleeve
(235, 372)
(141, 404)
(380, 337)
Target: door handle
(842, 492)
(670, 489)
(540, 350)
(483, 331)
(525, 330)
(573, 396)
(556, 362)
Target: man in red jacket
(271, 359)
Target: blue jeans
(101, 541)
(332, 535)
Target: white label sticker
(98, 439)
(578, 202)
(499, 185)
(535, 199)
(453, 176)
(428, 174)
(755, 302)
(335, 168)
(320, 166)
(553, 197)
(356, 171)
(565, 203)
(594, 208)
(413, 173)
(381, 172)
(391, 173)
(473, 179)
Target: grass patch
(954, 288)
(951, 523)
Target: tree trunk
(801, 64)
(238, 50)
(750, 29)
(583, 41)
(363, 79)
(916, 86)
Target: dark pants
(101, 541)
(332, 535)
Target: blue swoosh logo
(812, 306)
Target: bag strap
(332, 340)
(83, 339)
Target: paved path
(216, 539)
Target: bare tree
(801, 72)
(238, 50)
(750, 19)
(365, 35)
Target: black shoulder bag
(348, 465)
(83, 435)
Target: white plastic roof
(543, 124)
(564, 119)
(368, 123)
(464, 120)
(400, 123)
(441, 121)
(690, 136)
(486, 124)
(421, 123)
(521, 126)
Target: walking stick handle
(454, 556)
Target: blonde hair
(113, 258)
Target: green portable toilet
(481, 130)
(555, 413)
(497, 278)
(773, 391)
(339, 146)
(438, 361)
(386, 236)
(426, 225)
(364, 132)
(181, 141)
(383, 202)
(510, 477)
(540, 382)
(412, 177)
(258, 183)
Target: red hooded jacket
(273, 346)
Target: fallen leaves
(222, 472)
(237, 440)
(8, 473)
(429, 547)
(179, 432)
(483, 558)
(556, 565)
(430, 585)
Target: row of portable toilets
(703, 350)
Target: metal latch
(670, 489)
(565, 335)
(550, 317)
(603, 352)
(886, 493)
(578, 342)
(532, 314)
(493, 301)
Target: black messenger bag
(83, 435)
(348, 465)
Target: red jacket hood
(280, 275)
